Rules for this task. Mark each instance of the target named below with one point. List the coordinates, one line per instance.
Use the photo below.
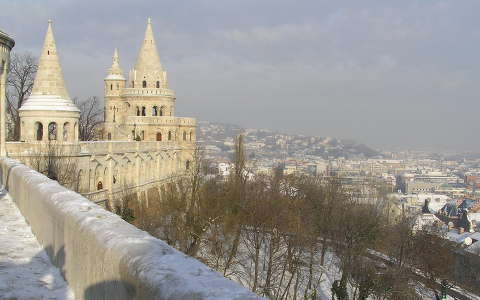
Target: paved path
(26, 272)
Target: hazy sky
(387, 73)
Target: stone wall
(100, 255)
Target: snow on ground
(26, 272)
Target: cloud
(388, 73)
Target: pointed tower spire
(148, 67)
(115, 71)
(49, 77)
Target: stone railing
(147, 92)
(100, 255)
(164, 121)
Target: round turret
(49, 114)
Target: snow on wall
(100, 255)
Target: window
(159, 136)
(38, 131)
(66, 130)
(138, 111)
(187, 165)
(169, 135)
(184, 135)
(99, 186)
(190, 136)
(48, 52)
(111, 86)
(144, 84)
(162, 110)
(155, 111)
(158, 84)
(109, 136)
(144, 111)
(133, 134)
(143, 135)
(52, 131)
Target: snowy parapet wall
(100, 255)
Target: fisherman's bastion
(143, 144)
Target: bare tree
(56, 162)
(23, 68)
(91, 118)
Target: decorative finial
(149, 20)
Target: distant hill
(265, 143)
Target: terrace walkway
(26, 272)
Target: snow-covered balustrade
(100, 255)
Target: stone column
(3, 129)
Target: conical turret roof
(148, 58)
(148, 66)
(115, 72)
(49, 91)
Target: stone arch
(155, 110)
(99, 185)
(80, 180)
(66, 131)
(144, 111)
(52, 131)
(162, 111)
(38, 131)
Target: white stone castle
(144, 144)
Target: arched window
(158, 84)
(144, 111)
(138, 111)
(111, 86)
(38, 131)
(52, 131)
(133, 134)
(187, 165)
(109, 136)
(184, 135)
(159, 136)
(99, 186)
(75, 131)
(162, 110)
(169, 135)
(48, 52)
(190, 136)
(155, 111)
(66, 131)
(144, 84)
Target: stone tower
(6, 45)
(49, 114)
(114, 84)
(145, 109)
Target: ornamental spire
(49, 78)
(115, 71)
